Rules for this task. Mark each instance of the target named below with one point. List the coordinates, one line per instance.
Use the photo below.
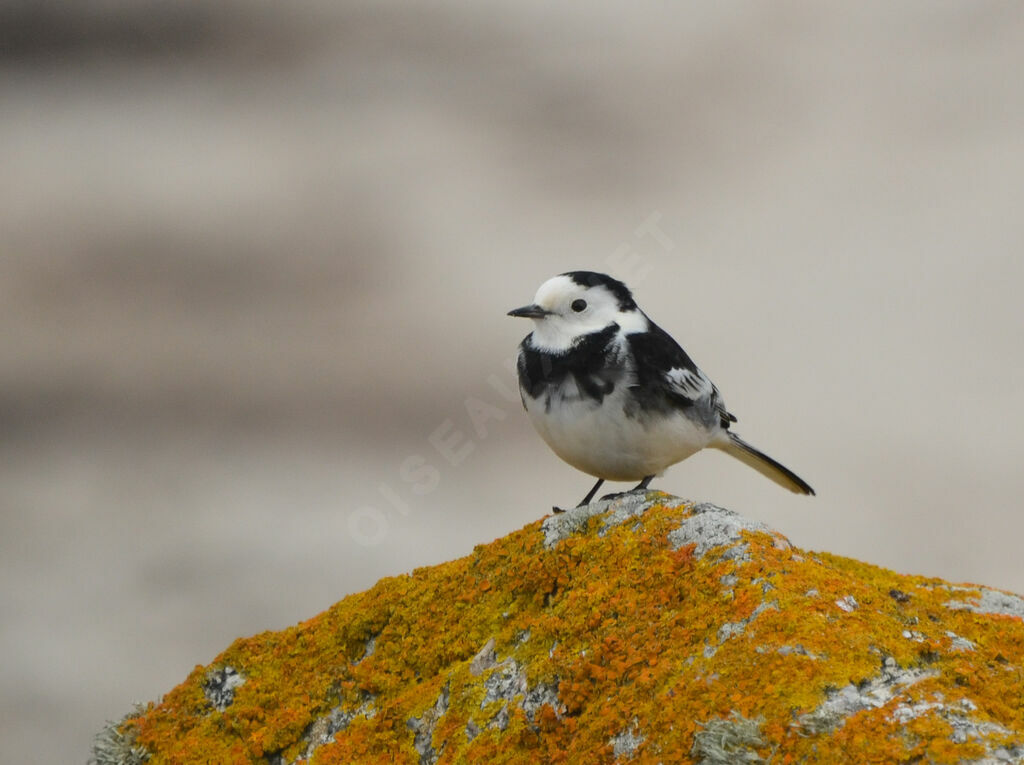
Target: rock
(219, 687)
(640, 629)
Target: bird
(614, 395)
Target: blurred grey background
(255, 260)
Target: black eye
(579, 305)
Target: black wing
(666, 378)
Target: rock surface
(641, 629)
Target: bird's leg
(642, 486)
(591, 493)
(586, 499)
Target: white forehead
(559, 289)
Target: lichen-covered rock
(641, 630)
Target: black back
(656, 353)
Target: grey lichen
(370, 648)
(965, 728)
(711, 527)
(619, 510)
(507, 683)
(958, 643)
(219, 686)
(708, 527)
(423, 728)
(484, 660)
(323, 730)
(1001, 756)
(990, 602)
(501, 719)
(848, 603)
(112, 746)
(851, 698)
(731, 741)
(542, 694)
(625, 743)
(731, 629)
(796, 650)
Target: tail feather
(763, 464)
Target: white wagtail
(613, 394)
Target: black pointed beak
(529, 312)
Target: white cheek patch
(556, 334)
(551, 334)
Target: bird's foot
(618, 494)
(557, 510)
(640, 487)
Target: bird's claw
(617, 494)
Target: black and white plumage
(613, 394)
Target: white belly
(602, 441)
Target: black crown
(614, 286)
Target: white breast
(601, 440)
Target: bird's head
(578, 303)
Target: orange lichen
(609, 631)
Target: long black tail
(763, 464)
